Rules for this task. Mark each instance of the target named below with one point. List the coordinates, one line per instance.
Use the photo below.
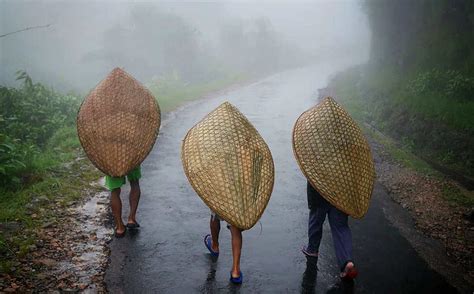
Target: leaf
(7, 146)
(19, 163)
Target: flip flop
(133, 225)
(237, 280)
(207, 242)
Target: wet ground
(167, 254)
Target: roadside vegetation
(40, 162)
(426, 114)
(409, 132)
(33, 121)
(418, 87)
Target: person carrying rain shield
(336, 159)
(231, 169)
(117, 125)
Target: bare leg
(236, 250)
(116, 204)
(134, 198)
(215, 225)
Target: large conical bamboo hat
(335, 157)
(229, 166)
(118, 123)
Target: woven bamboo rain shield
(229, 166)
(118, 123)
(335, 157)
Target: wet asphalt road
(167, 254)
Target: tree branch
(25, 29)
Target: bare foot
(350, 272)
(120, 231)
(235, 273)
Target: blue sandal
(207, 242)
(237, 280)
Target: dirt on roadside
(422, 196)
(67, 255)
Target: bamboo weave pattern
(229, 166)
(335, 157)
(118, 123)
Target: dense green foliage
(30, 116)
(418, 86)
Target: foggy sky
(56, 55)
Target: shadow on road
(310, 277)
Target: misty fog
(193, 41)
(402, 70)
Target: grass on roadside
(59, 183)
(401, 154)
(351, 101)
(61, 174)
(455, 194)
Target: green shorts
(112, 183)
